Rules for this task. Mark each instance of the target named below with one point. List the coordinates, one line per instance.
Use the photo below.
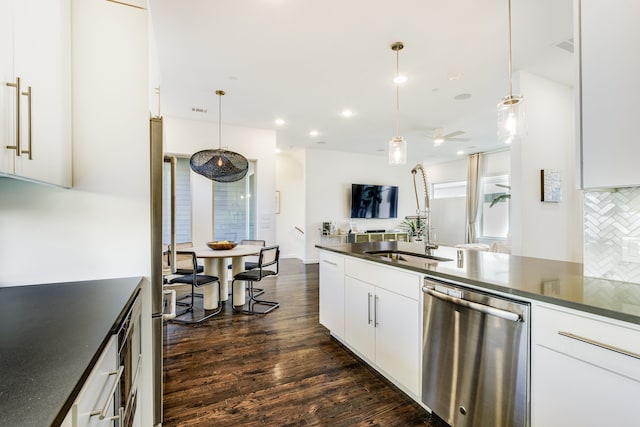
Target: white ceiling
(307, 60)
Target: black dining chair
(269, 256)
(195, 280)
(251, 262)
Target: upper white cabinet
(35, 92)
(607, 32)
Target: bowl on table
(221, 245)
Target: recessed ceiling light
(314, 133)
(346, 113)
(278, 150)
(399, 79)
(460, 152)
(279, 122)
(462, 96)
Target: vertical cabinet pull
(17, 144)
(103, 412)
(368, 308)
(375, 312)
(28, 150)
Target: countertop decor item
(222, 245)
(219, 164)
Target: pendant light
(218, 164)
(511, 121)
(397, 145)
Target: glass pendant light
(398, 145)
(511, 120)
(219, 165)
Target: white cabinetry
(382, 320)
(580, 371)
(96, 399)
(332, 292)
(607, 105)
(35, 92)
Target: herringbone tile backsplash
(610, 216)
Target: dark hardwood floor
(281, 369)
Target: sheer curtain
(474, 193)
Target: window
(183, 202)
(495, 219)
(234, 208)
(444, 190)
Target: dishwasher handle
(483, 308)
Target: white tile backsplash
(610, 219)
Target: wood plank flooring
(281, 369)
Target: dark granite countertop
(556, 282)
(50, 338)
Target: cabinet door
(332, 292)
(359, 331)
(42, 60)
(609, 92)
(7, 93)
(575, 393)
(397, 338)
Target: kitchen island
(583, 350)
(51, 336)
(556, 282)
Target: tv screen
(374, 201)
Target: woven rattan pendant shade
(218, 164)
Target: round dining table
(215, 264)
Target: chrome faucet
(428, 245)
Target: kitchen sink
(398, 255)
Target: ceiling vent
(566, 45)
(198, 110)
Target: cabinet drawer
(389, 278)
(332, 260)
(95, 393)
(594, 340)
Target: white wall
(538, 229)
(329, 175)
(99, 228)
(185, 137)
(290, 182)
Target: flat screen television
(374, 201)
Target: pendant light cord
(219, 93)
(510, 70)
(397, 93)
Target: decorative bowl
(222, 245)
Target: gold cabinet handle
(28, 150)
(17, 144)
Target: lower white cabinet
(585, 369)
(332, 292)
(96, 399)
(382, 320)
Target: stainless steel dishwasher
(475, 368)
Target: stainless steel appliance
(157, 305)
(475, 365)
